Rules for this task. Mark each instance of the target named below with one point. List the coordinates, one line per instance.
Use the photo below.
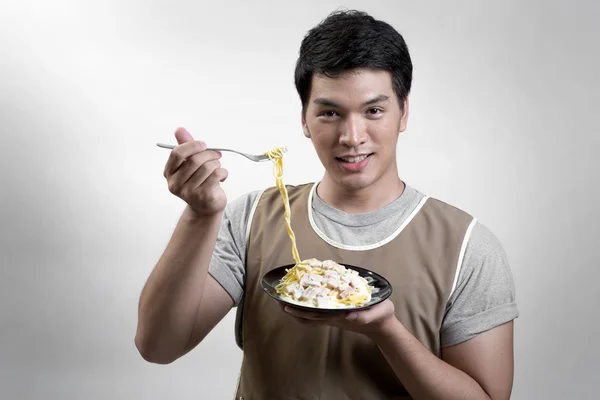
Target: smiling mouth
(354, 159)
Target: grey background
(503, 123)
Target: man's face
(354, 121)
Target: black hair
(351, 39)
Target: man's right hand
(194, 174)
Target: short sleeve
(485, 295)
(227, 265)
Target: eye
(328, 113)
(374, 111)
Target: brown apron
(284, 360)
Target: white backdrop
(503, 123)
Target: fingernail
(202, 144)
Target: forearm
(171, 297)
(424, 375)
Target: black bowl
(382, 289)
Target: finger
(370, 315)
(176, 159)
(183, 136)
(312, 315)
(198, 166)
(224, 178)
(191, 164)
(352, 317)
(181, 154)
(205, 174)
(219, 174)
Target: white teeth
(354, 159)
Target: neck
(360, 200)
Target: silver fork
(253, 157)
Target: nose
(353, 132)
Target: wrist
(191, 217)
(387, 329)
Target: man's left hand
(373, 321)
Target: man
(445, 333)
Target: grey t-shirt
(484, 295)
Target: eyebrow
(330, 103)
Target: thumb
(182, 136)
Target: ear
(305, 126)
(404, 117)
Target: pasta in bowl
(326, 286)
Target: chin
(356, 182)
